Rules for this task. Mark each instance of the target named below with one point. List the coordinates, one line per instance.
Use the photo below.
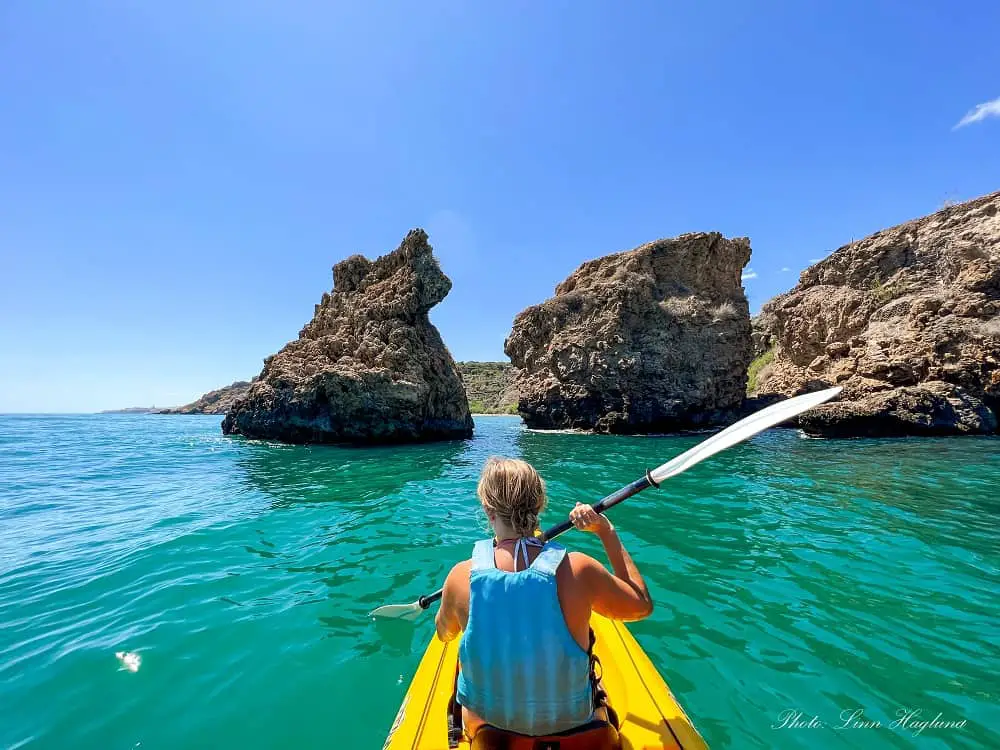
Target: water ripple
(788, 574)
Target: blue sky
(177, 179)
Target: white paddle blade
(745, 428)
(398, 611)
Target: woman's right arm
(623, 595)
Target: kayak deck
(650, 716)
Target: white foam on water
(129, 660)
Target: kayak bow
(649, 713)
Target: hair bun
(524, 520)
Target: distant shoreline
(134, 410)
(172, 412)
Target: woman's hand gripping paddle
(736, 433)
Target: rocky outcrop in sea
(655, 339)
(906, 320)
(218, 401)
(369, 367)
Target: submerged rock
(369, 367)
(655, 339)
(907, 320)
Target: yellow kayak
(649, 714)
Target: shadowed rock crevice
(369, 367)
(656, 339)
(906, 320)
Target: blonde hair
(514, 491)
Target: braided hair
(513, 490)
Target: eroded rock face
(656, 339)
(369, 367)
(762, 332)
(907, 320)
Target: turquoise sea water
(789, 575)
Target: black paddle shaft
(601, 506)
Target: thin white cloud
(815, 260)
(785, 269)
(748, 274)
(979, 113)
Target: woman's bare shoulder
(460, 570)
(581, 564)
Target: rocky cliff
(907, 320)
(489, 387)
(369, 367)
(653, 339)
(214, 402)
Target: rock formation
(655, 339)
(214, 402)
(762, 332)
(369, 367)
(907, 320)
(489, 387)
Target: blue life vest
(521, 668)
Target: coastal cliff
(218, 401)
(489, 387)
(906, 320)
(655, 339)
(369, 367)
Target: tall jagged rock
(655, 339)
(906, 320)
(369, 367)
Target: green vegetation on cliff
(754, 371)
(488, 387)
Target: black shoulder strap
(455, 728)
(599, 697)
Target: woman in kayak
(524, 610)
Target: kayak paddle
(736, 433)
